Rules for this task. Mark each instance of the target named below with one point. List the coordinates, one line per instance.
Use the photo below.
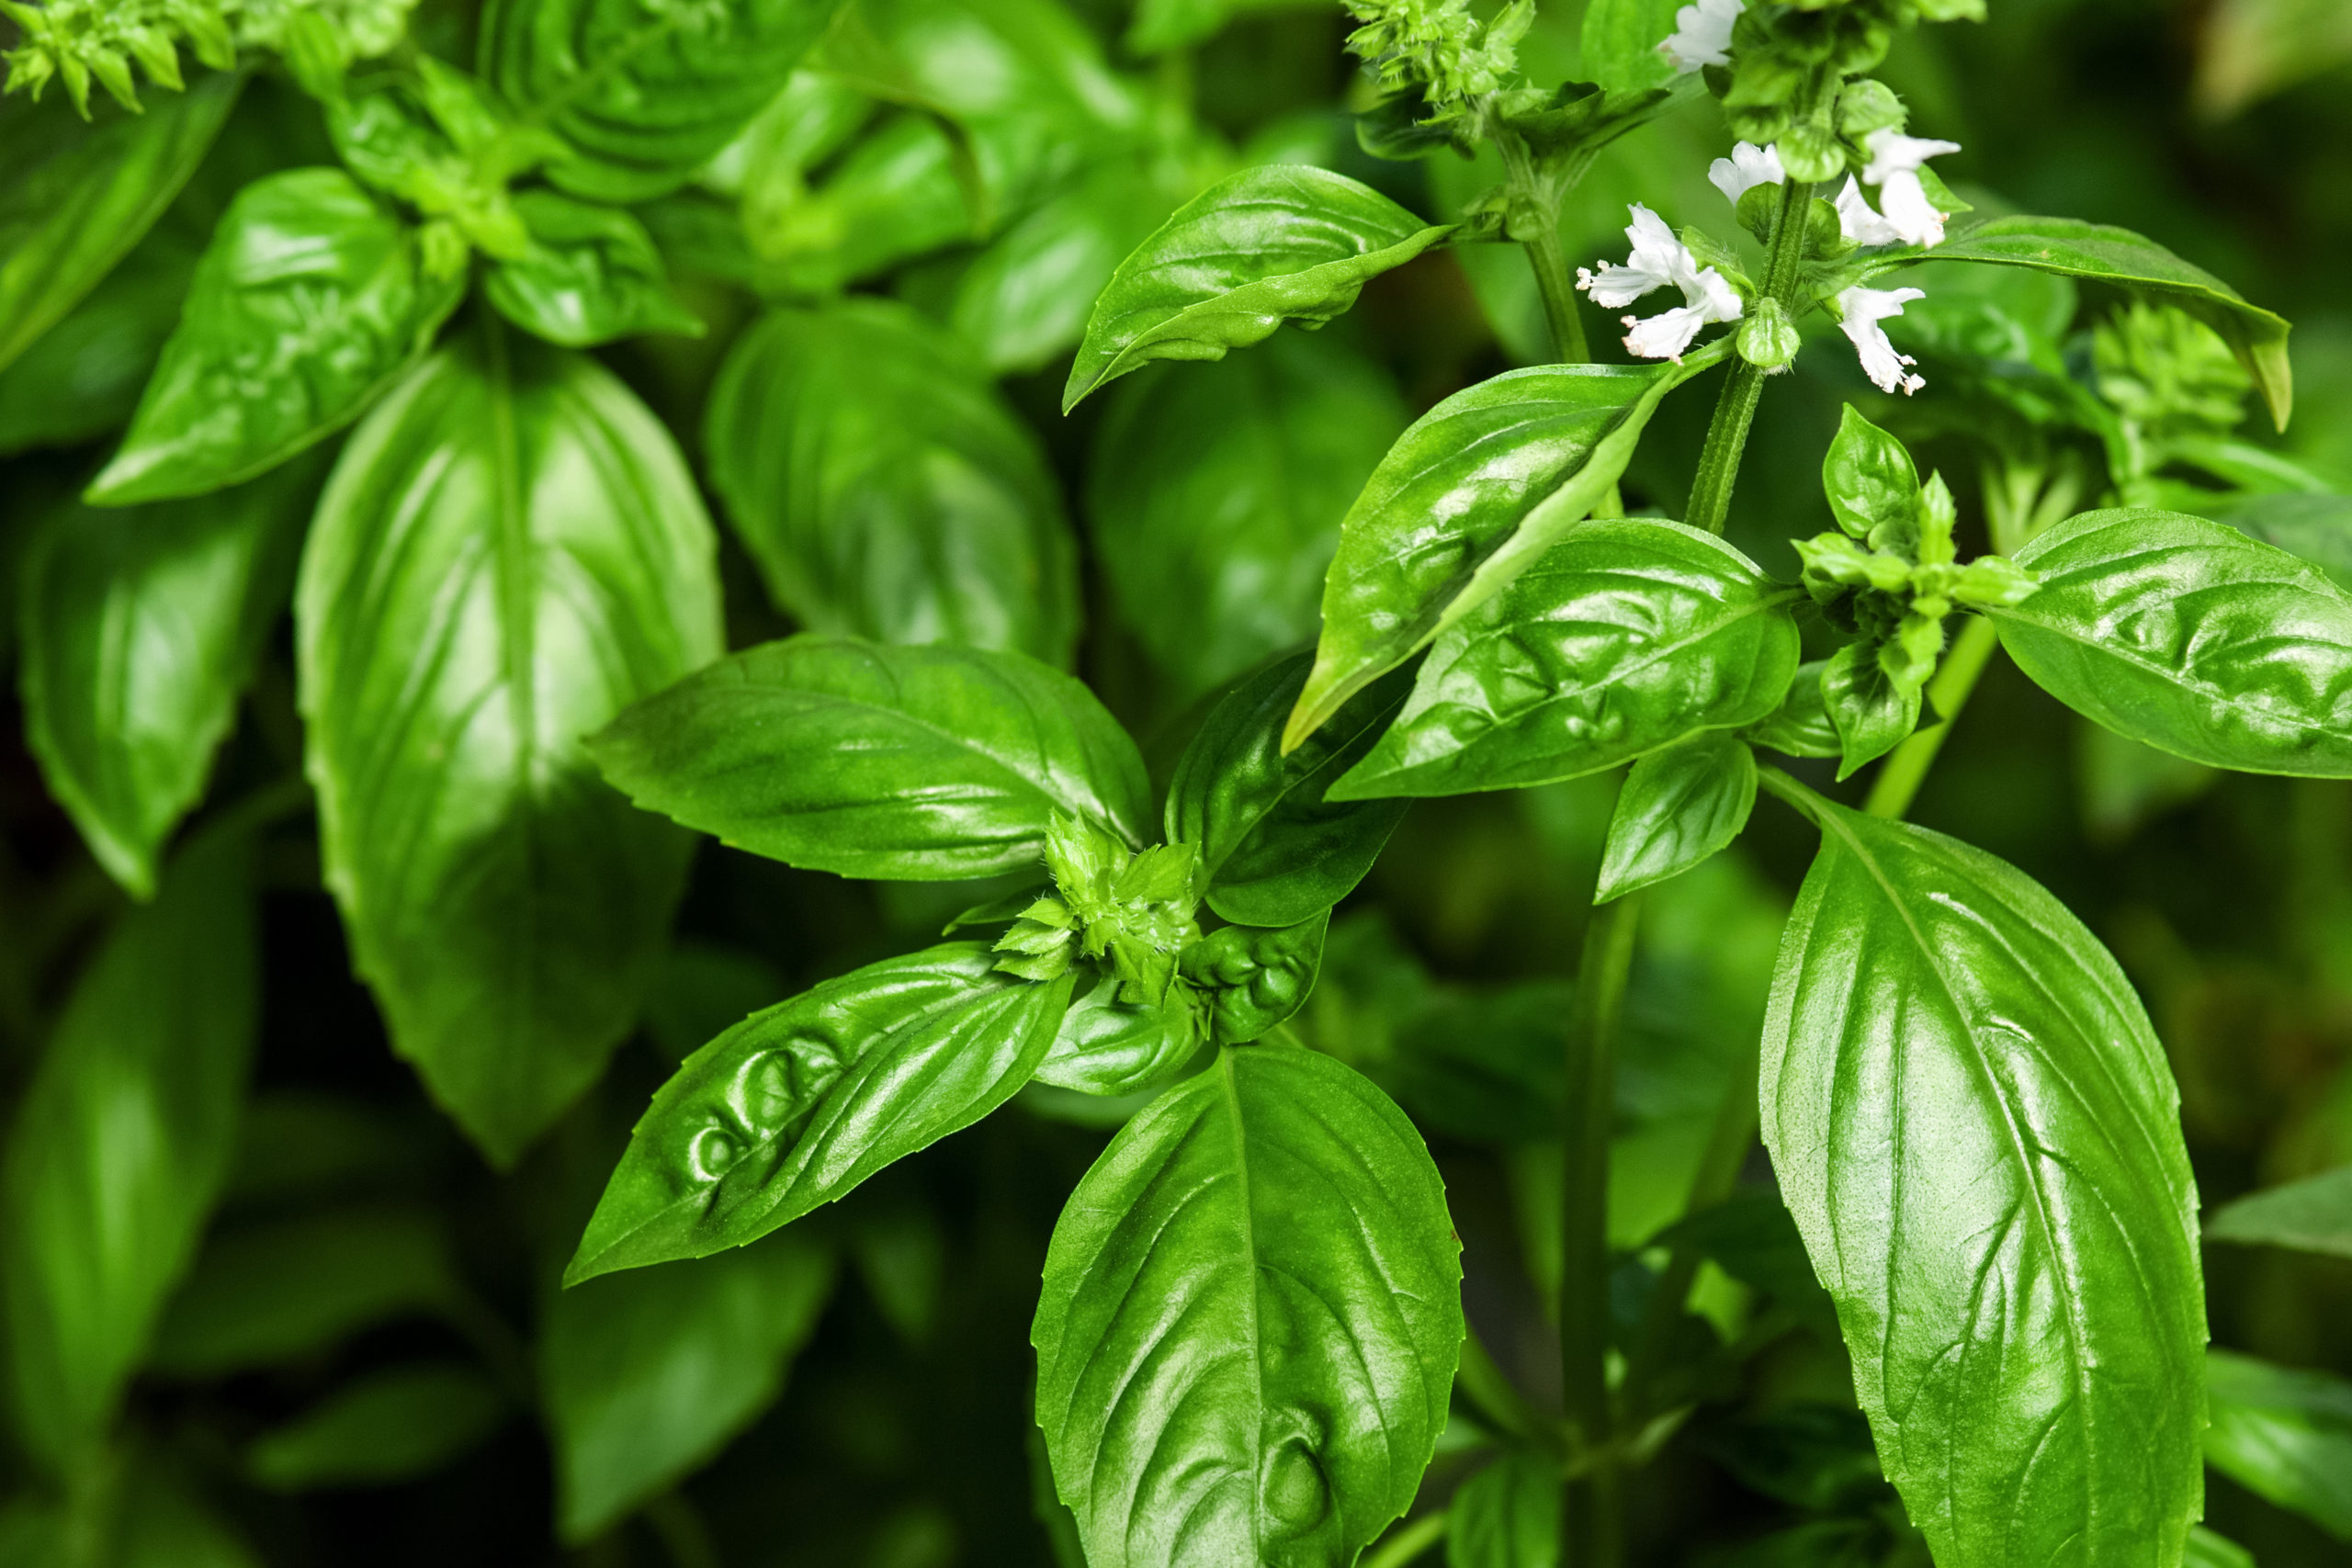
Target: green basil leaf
(276, 1292)
(647, 1374)
(885, 486)
(893, 196)
(385, 1427)
(1282, 242)
(1109, 1046)
(1250, 1319)
(1215, 497)
(902, 763)
(2311, 1215)
(1468, 498)
(644, 96)
(797, 1105)
(1274, 849)
(2207, 1549)
(1801, 725)
(1507, 1516)
(2103, 253)
(2191, 637)
(121, 1143)
(1677, 808)
(1625, 637)
(139, 629)
(2316, 527)
(511, 550)
(2284, 1435)
(1619, 44)
(310, 302)
(591, 275)
(1869, 477)
(1255, 977)
(1869, 711)
(81, 380)
(1977, 1133)
(81, 194)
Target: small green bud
(1938, 515)
(1758, 206)
(1995, 582)
(1867, 105)
(113, 73)
(1811, 152)
(1768, 339)
(1825, 235)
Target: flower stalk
(1736, 410)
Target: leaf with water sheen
(310, 302)
(885, 486)
(589, 276)
(1249, 1322)
(139, 629)
(511, 550)
(122, 1142)
(1274, 849)
(1675, 808)
(1977, 1133)
(2311, 1215)
(1254, 977)
(2283, 1434)
(1279, 243)
(1471, 496)
(1868, 712)
(903, 764)
(1627, 636)
(1107, 1045)
(645, 92)
(81, 194)
(1801, 725)
(647, 1374)
(2190, 635)
(797, 1105)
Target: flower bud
(1768, 339)
(1867, 105)
(1811, 152)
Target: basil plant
(391, 313)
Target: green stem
(1899, 780)
(1591, 1528)
(1402, 1546)
(1544, 191)
(1736, 410)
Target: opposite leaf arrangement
(1251, 1333)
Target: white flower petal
(1909, 213)
(1667, 334)
(1701, 35)
(1713, 297)
(1863, 309)
(1747, 168)
(1891, 153)
(1657, 259)
(1858, 220)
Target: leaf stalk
(1735, 408)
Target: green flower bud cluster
(1787, 83)
(84, 41)
(1132, 913)
(1895, 586)
(1438, 47)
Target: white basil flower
(1701, 35)
(1894, 166)
(1659, 260)
(1747, 168)
(1859, 313)
(1858, 220)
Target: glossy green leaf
(886, 489)
(1274, 849)
(797, 1105)
(287, 1289)
(1869, 477)
(1108, 1045)
(81, 378)
(1675, 808)
(1507, 1516)
(2207, 1549)
(589, 276)
(1282, 242)
(644, 92)
(2190, 635)
(906, 763)
(121, 1143)
(81, 194)
(385, 1427)
(1215, 492)
(310, 302)
(1977, 1133)
(2311, 1215)
(1254, 977)
(511, 550)
(1249, 1322)
(1471, 496)
(1869, 712)
(2316, 527)
(1801, 725)
(647, 1374)
(895, 195)
(140, 631)
(1620, 44)
(1625, 637)
(2284, 1435)
(2100, 252)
